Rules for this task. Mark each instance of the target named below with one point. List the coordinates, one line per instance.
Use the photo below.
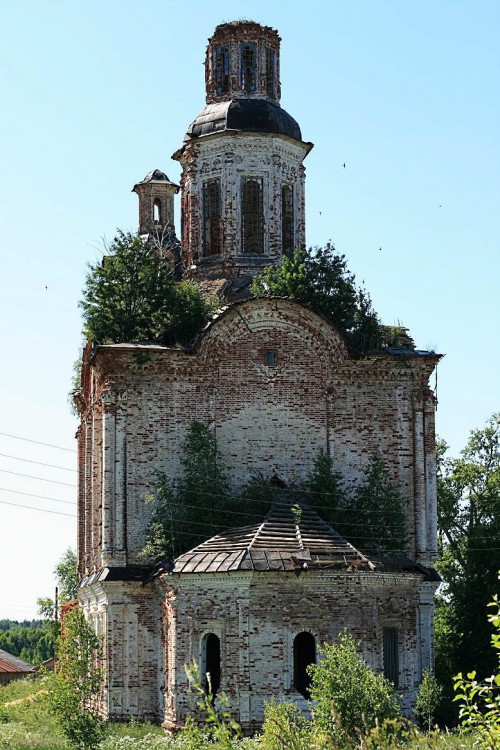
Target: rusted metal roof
(249, 115)
(288, 539)
(9, 663)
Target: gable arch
(271, 362)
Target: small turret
(156, 203)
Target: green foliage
(322, 490)
(198, 505)
(195, 507)
(320, 278)
(351, 698)
(31, 641)
(372, 518)
(67, 579)
(374, 515)
(428, 699)
(468, 491)
(132, 296)
(75, 687)
(224, 730)
(480, 700)
(285, 728)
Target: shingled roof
(289, 539)
(9, 663)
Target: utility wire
(39, 479)
(38, 442)
(39, 463)
(43, 510)
(39, 497)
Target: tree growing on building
(131, 295)
(320, 278)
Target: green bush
(285, 727)
(132, 296)
(350, 698)
(428, 699)
(320, 278)
(480, 700)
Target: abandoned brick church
(276, 383)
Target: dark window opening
(391, 655)
(271, 357)
(270, 71)
(210, 666)
(157, 211)
(287, 219)
(222, 69)
(248, 66)
(212, 234)
(252, 217)
(304, 654)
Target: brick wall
(272, 419)
(257, 616)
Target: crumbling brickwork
(257, 616)
(276, 384)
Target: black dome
(252, 115)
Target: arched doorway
(304, 654)
(210, 663)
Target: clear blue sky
(95, 94)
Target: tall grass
(25, 724)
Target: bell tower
(156, 203)
(242, 181)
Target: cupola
(242, 181)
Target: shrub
(428, 699)
(320, 278)
(480, 701)
(351, 698)
(75, 687)
(132, 296)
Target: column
(419, 479)
(430, 476)
(108, 475)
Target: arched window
(157, 211)
(222, 69)
(304, 654)
(210, 663)
(212, 224)
(248, 52)
(270, 71)
(287, 219)
(252, 215)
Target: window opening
(157, 211)
(252, 218)
(270, 71)
(391, 655)
(210, 664)
(212, 234)
(271, 357)
(287, 240)
(222, 69)
(248, 66)
(304, 654)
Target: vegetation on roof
(131, 295)
(320, 278)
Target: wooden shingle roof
(288, 539)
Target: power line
(43, 510)
(39, 463)
(38, 442)
(39, 479)
(39, 497)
